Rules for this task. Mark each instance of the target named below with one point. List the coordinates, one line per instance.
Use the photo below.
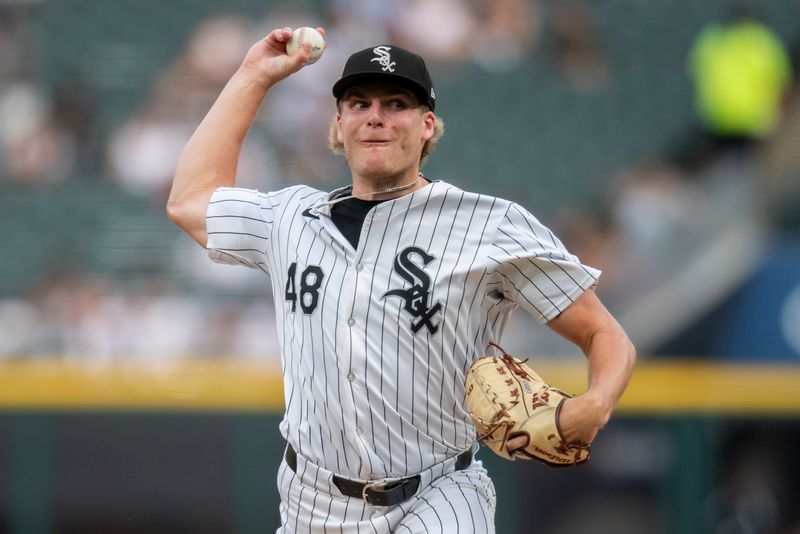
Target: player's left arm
(611, 355)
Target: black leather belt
(379, 494)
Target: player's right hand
(582, 417)
(268, 61)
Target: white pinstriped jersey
(376, 341)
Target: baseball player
(386, 290)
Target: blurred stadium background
(140, 383)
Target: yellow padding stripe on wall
(657, 388)
(186, 384)
(669, 387)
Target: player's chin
(375, 164)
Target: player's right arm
(210, 157)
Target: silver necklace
(393, 189)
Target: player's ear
(339, 128)
(429, 125)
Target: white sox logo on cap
(391, 63)
(383, 58)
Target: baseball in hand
(306, 35)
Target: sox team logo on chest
(417, 296)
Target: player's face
(383, 129)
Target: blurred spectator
(509, 31)
(438, 30)
(741, 72)
(18, 327)
(756, 492)
(35, 145)
(780, 156)
(579, 54)
(16, 38)
(34, 149)
(663, 218)
(143, 153)
(74, 113)
(779, 161)
(371, 17)
(77, 315)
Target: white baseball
(306, 35)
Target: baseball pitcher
(387, 292)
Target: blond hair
(427, 149)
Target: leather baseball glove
(506, 399)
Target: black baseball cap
(391, 63)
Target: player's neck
(388, 187)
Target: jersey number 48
(310, 282)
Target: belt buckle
(367, 487)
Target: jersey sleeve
(534, 268)
(238, 224)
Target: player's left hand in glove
(507, 400)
